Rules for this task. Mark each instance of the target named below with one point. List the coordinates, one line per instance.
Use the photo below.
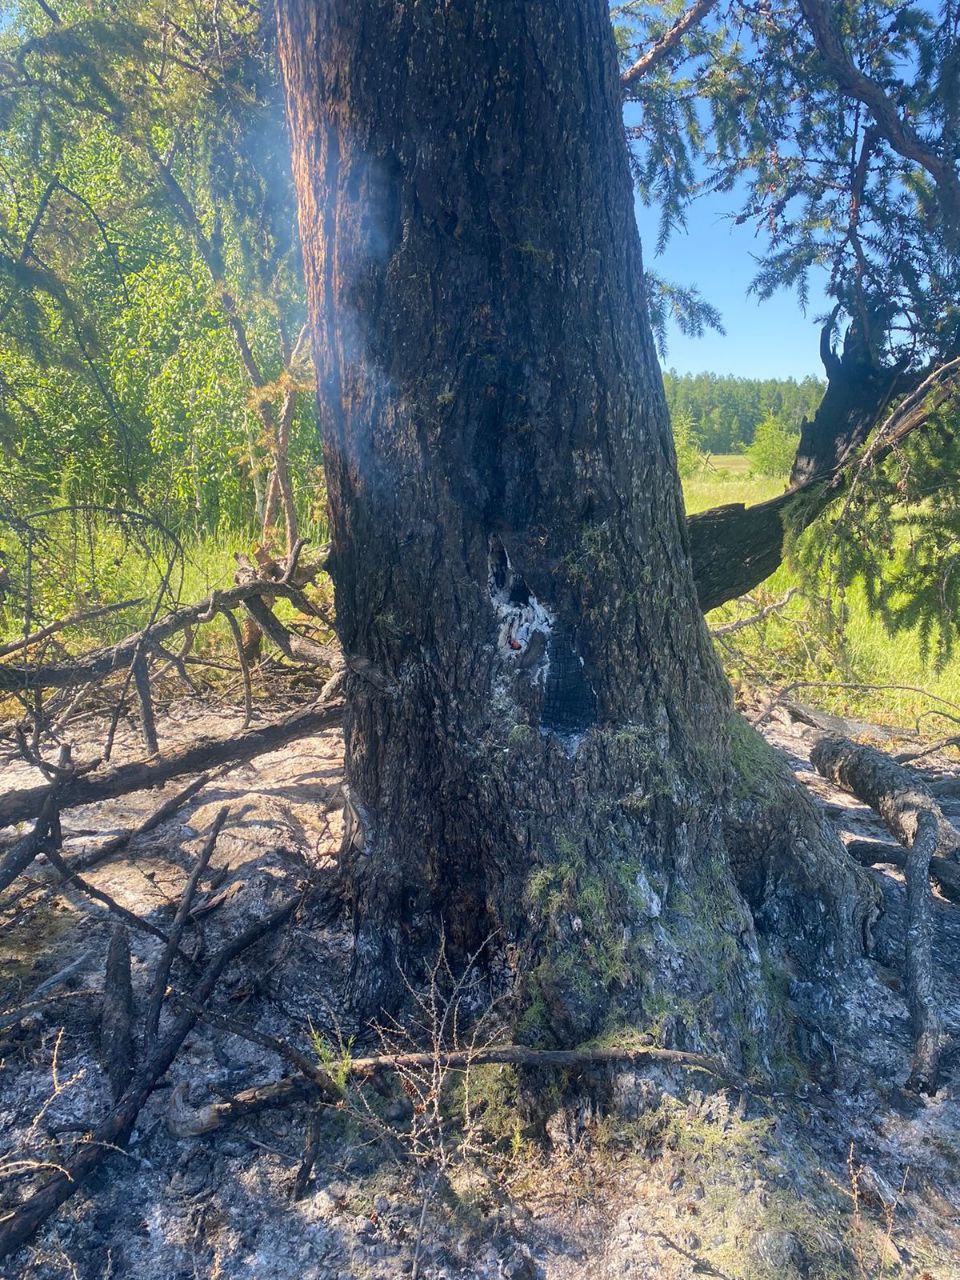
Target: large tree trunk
(543, 762)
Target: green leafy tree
(152, 319)
(690, 457)
(773, 449)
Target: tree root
(946, 875)
(914, 817)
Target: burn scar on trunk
(525, 624)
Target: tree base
(637, 903)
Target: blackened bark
(543, 761)
(859, 389)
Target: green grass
(77, 569)
(802, 645)
(725, 478)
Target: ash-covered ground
(848, 1175)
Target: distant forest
(722, 412)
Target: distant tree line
(721, 413)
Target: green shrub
(774, 448)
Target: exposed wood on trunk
(917, 821)
(203, 753)
(115, 1127)
(116, 1014)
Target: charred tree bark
(543, 765)
(859, 389)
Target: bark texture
(917, 821)
(543, 761)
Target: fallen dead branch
(103, 662)
(159, 987)
(204, 753)
(29, 846)
(894, 791)
(84, 861)
(105, 899)
(116, 1014)
(914, 817)
(116, 1126)
(314, 1082)
(74, 620)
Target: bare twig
(244, 667)
(115, 1127)
(159, 986)
(730, 628)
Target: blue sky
(764, 339)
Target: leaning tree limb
(93, 857)
(203, 753)
(107, 900)
(735, 547)
(662, 47)
(914, 817)
(115, 1127)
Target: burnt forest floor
(849, 1176)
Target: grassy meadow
(84, 566)
(801, 643)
